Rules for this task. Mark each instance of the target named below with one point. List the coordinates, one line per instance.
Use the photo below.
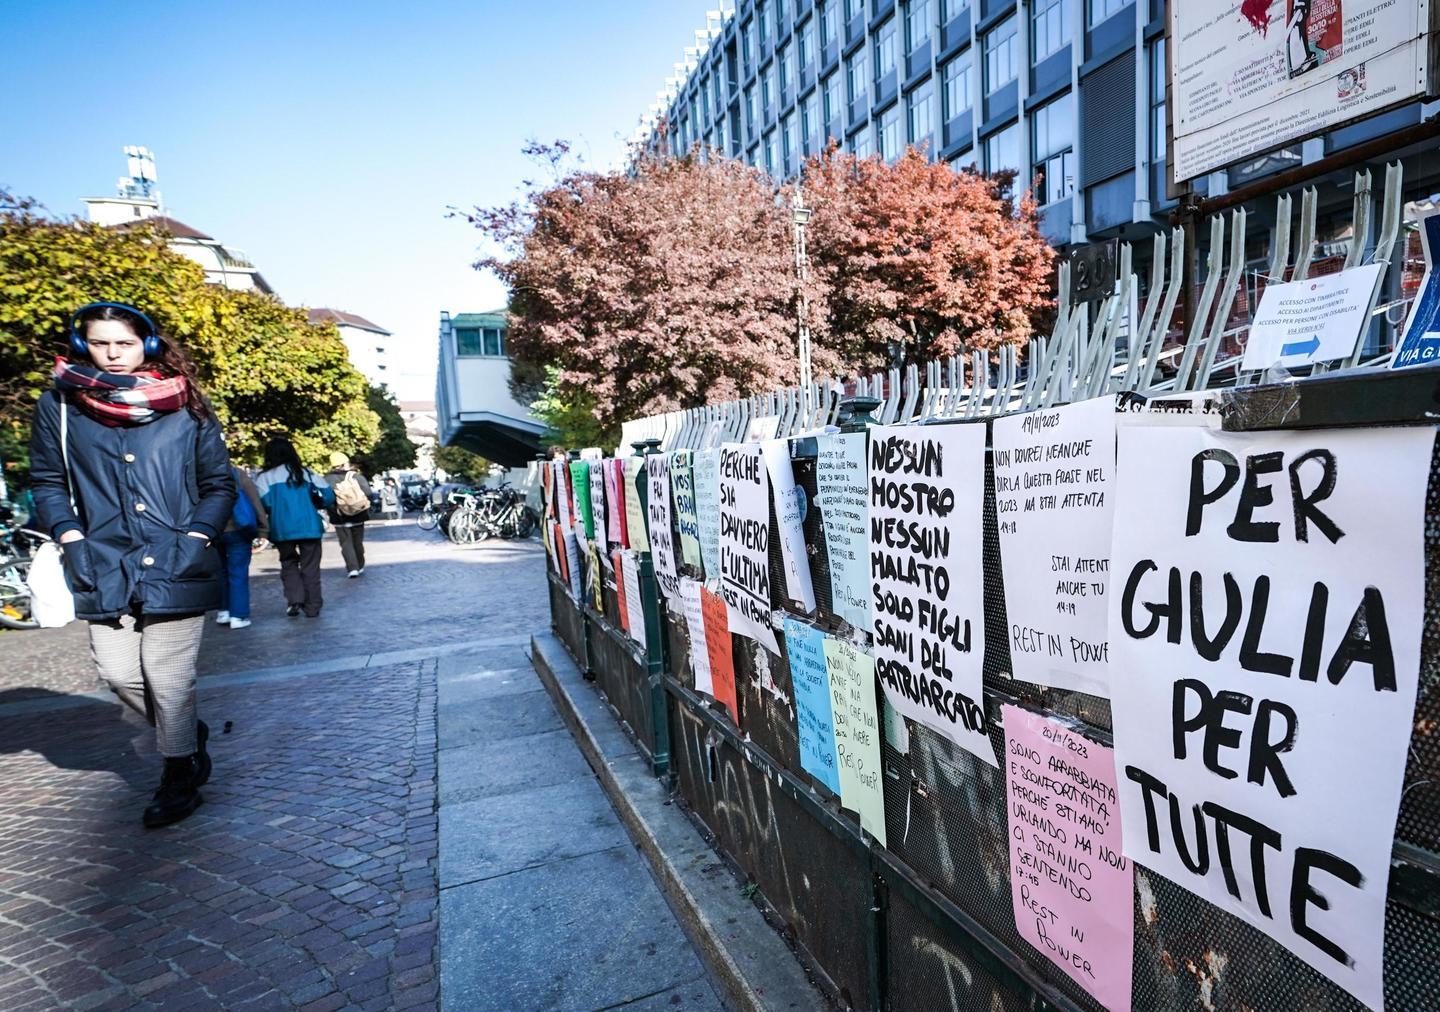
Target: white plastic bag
(51, 603)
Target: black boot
(178, 795)
(202, 735)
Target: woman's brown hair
(173, 360)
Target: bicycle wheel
(427, 521)
(15, 600)
(525, 522)
(463, 526)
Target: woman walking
(131, 476)
(349, 512)
(247, 522)
(291, 493)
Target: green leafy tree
(393, 451)
(460, 464)
(265, 367)
(569, 414)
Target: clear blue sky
(326, 140)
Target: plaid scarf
(119, 399)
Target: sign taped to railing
(718, 643)
(1420, 344)
(614, 501)
(1319, 319)
(580, 483)
(843, 497)
(814, 725)
(1053, 507)
(597, 501)
(661, 530)
(927, 490)
(695, 627)
(707, 510)
(857, 733)
(789, 516)
(745, 542)
(682, 484)
(634, 510)
(1265, 625)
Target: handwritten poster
(857, 733)
(572, 562)
(843, 495)
(695, 625)
(1054, 504)
(1074, 892)
(745, 542)
(597, 501)
(926, 496)
(634, 603)
(634, 511)
(789, 516)
(564, 511)
(661, 530)
(707, 509)
(1265, 627)
(618, 558)
(687, 521)
(805, 648)
(717, 642)
(580, 482)
(594, 581)
(614, 503)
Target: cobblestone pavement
(309, 877)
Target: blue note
(805, 649)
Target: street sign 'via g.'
(1421, 343)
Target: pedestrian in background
(247, 522)
(390, 499)
(349, 511)
(131, 477)
(292, 494)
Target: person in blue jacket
(292, 494)
(130, 476)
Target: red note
(717, 643)
(617, 557)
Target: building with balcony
(369, 344)
(474, 408)
(1069, 94)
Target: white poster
(597, 500)
(661, 529)
(1250, 77)
(843, 495)
(707, 510)
(789, 518)
(564, 506)
(634, 604)
(1316, 320)
(927, 490)
(1054, 501)
(1265, 622)
(695, 626)
(745, 542)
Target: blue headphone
(150, 339)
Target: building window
(922, 116)
(855, 78)
(761, 24)
(767, 89)
(889, 133)
(787, 140)
(1157, 101)
(1000, 56)
(917, 25)
(1002, 151)
(1050, 27)
(834, 100)
(885, 50)
(861, 144)
(779, 18)
(770, 152)
(805, 46)
(854, 9)
(717, 96)
(952, 9)
(829, 22)
(965, 161)
(809, 123)
(782, 63)
(1053, 135)
(467, 341)
(750, 110)
(747, 47)
(1100, 10)
(955, 78)
(494, 341)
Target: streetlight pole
(800, 215)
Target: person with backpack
(247, 522)
(131, 478)
(348, 515)
(291, 495)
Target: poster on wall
(1266, 611)
(634, 472)
(927, 488)
(634, 603)
(815, 728)
(707, 509)
(597, 501)
(580, 483)
(1320, 319)
(745, 542)
(1420, 344)
(843, 496)
(564, 511)
(661, 530)
(1072, 888)
(617, 559)
(1054, 503)
(1248, 77)
(789, 518)
(719, 646)
(693, 609)
(857, 733)
(687, 522)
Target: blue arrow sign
(1306, 348)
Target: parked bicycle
(494, 512)
(17, 548)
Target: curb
(750, 964)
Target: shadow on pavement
(91, 735)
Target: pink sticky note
(1073, 892)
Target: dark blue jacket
(138, 490)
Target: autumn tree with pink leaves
(673, 284)
(916, 255)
